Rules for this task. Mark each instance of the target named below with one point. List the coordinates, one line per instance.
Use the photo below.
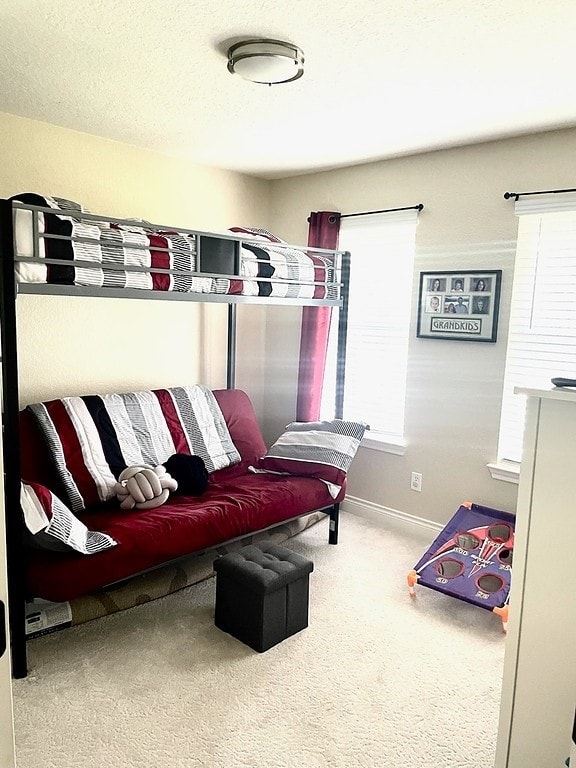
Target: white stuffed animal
(144, 487)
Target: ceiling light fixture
(266, 61)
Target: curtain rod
(516, 195)
(418, 207)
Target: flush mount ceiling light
(266, 61)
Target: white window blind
(542, 334)
(381, 273)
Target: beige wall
(127, 344)
(454, 388)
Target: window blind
(381, 273)
(542, 333)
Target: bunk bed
(51, 246)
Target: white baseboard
(390, 517)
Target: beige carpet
(376, 681)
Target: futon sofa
(236, 503)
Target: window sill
(508, 471)
(385, 443)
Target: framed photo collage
(459, 305)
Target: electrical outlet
(416, 481)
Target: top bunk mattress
(66, 245)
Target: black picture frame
(459, 305)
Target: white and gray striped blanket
(53, 526)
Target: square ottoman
(262, 594)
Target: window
(542, 334)
(381, 273)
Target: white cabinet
(539, 684)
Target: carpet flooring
(376, 681)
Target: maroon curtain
(322, 233)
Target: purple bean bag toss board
(471, 559)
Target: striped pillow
(93, 438)
(320, 449)
(53, 526)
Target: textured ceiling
(382, 78)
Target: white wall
(81, 345)
(454, 387)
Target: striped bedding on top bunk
(109, 247)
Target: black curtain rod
(516, 195)
(418, 207)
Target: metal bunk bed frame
(9, 291)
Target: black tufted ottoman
(262, 594)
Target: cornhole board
(471, 559)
